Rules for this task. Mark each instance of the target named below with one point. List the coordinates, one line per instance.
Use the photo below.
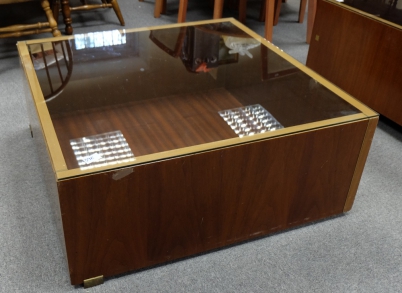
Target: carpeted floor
(360, 251)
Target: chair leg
(269, 19)
(182, 11)
(163, 11)
(302, 10)
(50, 18)
(158, 8)
(65, 9)
(218, 8)
(262, 11)
(242, 10)
(277, 8)
(55, 5)
(116, 9)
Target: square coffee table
(166, 142)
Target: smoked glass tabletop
(390, 10)
(115, 96)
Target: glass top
(390, 10)
(115, 96)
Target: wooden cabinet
(360, 53)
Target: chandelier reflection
(101, 150)
(100, 39)
(250, 120)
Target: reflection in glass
(249, 120)
(205, 47)
(101, 150)
(100, 39)
(56, 60)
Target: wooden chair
(160, 7)
(278, 4)
(18, 30)
(269, 10)
(67, 8)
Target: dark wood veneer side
(178, 207)
(360, 55)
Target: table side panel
(179, 207)
(49, 175)
(360, 55)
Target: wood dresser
(357, 46)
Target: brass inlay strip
(215, 145)
(342, 94)
(45, 120)
(59, 163)
(372, 124)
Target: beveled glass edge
(366, 14)
(54, 148)
(338, 91)
(232, 142)
(50, 137)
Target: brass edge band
(216, 145)
(46, 123)
(361, 161)
(345, 96)
(59, 163)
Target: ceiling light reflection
(250, 120)
(101, 150)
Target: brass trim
(361, 161)
(88, 283)
(66, 174)
(342, 94)
(54, 148)
(57, 158)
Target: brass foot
(93, 282)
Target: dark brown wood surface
(360, 55)
(179, 207)
(154, 125)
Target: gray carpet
(358, 252)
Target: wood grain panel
(154, 125)
(360, 55)
(175, 208)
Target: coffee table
(166, 142)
